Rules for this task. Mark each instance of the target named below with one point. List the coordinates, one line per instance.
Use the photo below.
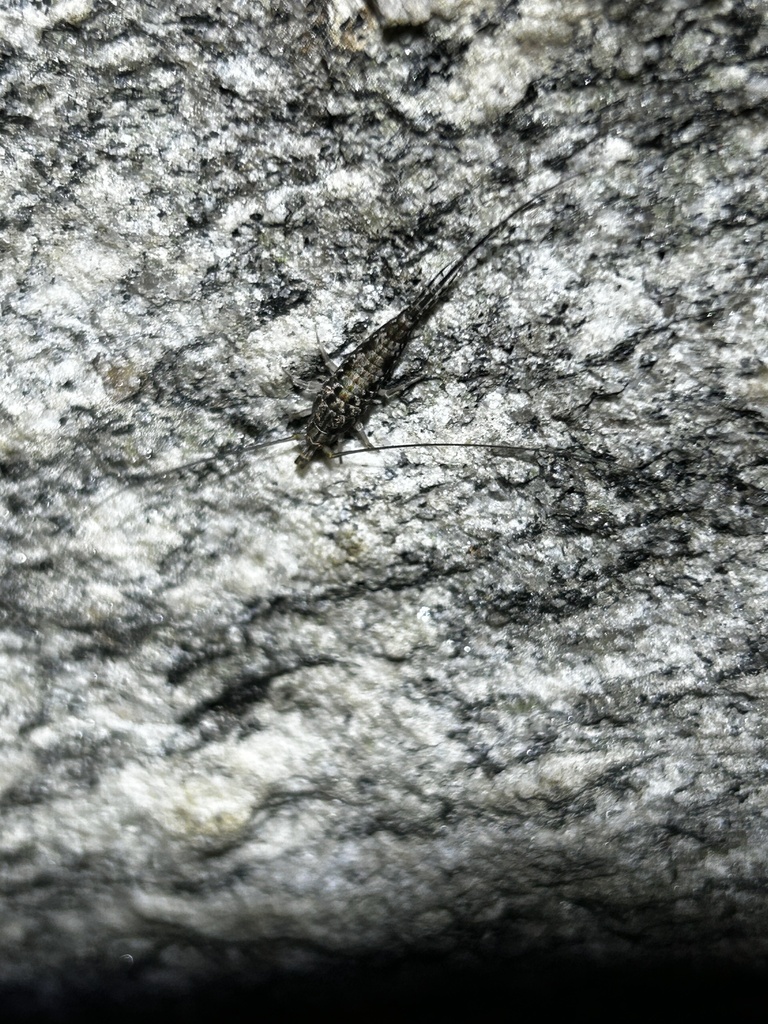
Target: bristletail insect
(345, 397)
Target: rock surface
(435, 701)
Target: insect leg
(329, 363)
(362, 437)
(310, 387)
(401, 386)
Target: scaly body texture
(345, 397)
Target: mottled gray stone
(434, 700)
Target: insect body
(346, 396)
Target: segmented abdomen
(345, 397)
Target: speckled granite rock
(423, 701)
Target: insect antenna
(507, 451)
(223, 452)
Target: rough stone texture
(428, 702)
